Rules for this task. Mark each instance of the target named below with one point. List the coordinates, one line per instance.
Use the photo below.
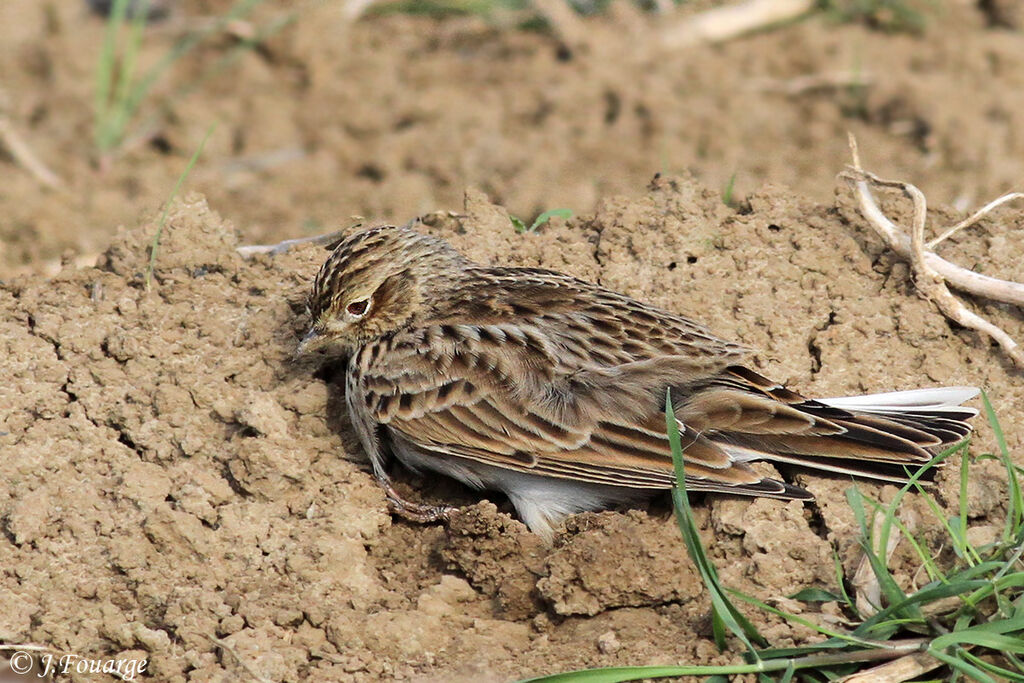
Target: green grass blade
(816, 595)
(934, 573)
(993, 641)
(1010, 563)
(890, 589)
(979, 569)
(840, 581)
(548, 215)
(836, 635)
(126, 73)
(1014, 528)
(931, 593)
(721, 606)
(106, 68)
(965, 466)
(170, 200)
(962, 667)
(614, 674)
(1005, 674)
(727, 193)
(183, 47)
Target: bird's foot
(414, 512)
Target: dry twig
(722, 23)
(896, 671)
(226, 647)
(931, 272)
(250, 250)
(23, 154)
(834, 80)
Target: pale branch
(931, 272)
(250, 250)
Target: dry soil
(176, 486)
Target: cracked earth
(173, 476)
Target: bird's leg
(414, 512)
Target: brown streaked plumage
(552, 389)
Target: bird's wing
(494, 395)
(877, 437)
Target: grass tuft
(540, 220)
(723, 612)
(114, 96)
(968, 619)
(121, 88)
(727, 194)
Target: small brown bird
(552, 390)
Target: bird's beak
(311, 342)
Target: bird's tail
(877, 436)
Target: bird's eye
(357, 309)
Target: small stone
(608, 643)
(231, 624)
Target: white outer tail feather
(932, 400)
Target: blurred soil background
(177, 487)
(395, 114)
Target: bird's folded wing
(474, 411)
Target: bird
(552, 390)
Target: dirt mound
(395, 115)
(177, 487)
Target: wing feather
(474, 411)
(511, 396)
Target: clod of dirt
(770, 531)
(499, 556)
(650, 566)
(176, 484)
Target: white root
(931, 272)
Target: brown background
(172, 476)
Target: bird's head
(377, 281)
